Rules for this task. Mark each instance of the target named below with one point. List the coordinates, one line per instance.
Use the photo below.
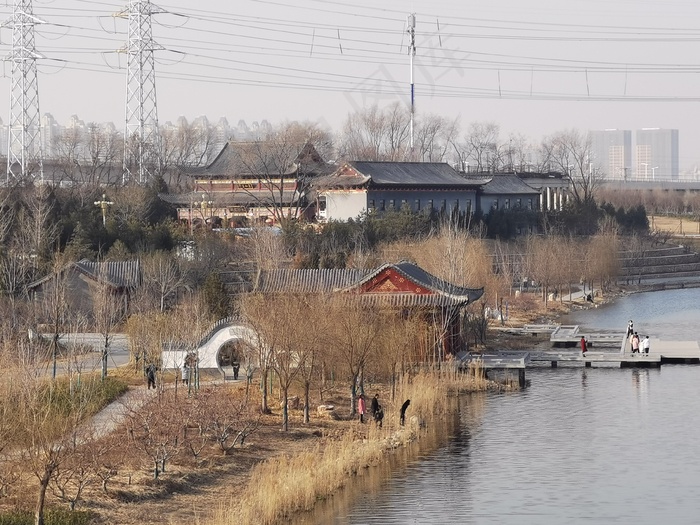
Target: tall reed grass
(283, 485)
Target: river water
(578, 445)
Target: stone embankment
(661, 264)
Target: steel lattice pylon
(141, 135)
(24, 151)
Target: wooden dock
(499, 366)
(570, 335)
(608, 350)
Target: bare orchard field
(674, 225)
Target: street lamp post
(646, 174)
(205, 204)
(104, 204)
(653, 172)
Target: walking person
(151, 375)
(375, 404)
(584, 346)
(645, 345)
(185, 373)
(236, 368)
(630, 328)
(361, 407)
(377, 410)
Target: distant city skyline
(533, 67)
(650, 156)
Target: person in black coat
(151, 375)
(404, 407)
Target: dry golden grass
(287, 484)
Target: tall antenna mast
(411, 30)
(24, 152)
(141, 134)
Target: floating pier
(608, 349)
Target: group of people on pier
(637, 345)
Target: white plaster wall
(341, 206)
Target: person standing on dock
(584, 346)
(635, 343)
(630, 329)
(645, 345)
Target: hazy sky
(532, 66)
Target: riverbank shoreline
(282, 487)
(194, 491)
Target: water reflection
(601, 445)
(640, 380)
(371, 488)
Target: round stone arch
(210, 352)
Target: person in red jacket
(584, 346)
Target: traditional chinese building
(375, 187)
(403, 287)
(260, 181)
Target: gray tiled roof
(410, 173)
(119, 274)
(262, 158)
(397, 174)
(348, 280)
(507, 184)
(308, 280)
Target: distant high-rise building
(612, 152)
(50, 131)
(656, 154)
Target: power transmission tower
(24, 152)
(141, 134)
(411, 30)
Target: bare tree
(101, 163)
(186, 145)
(50, 427)
(283, 161)
(542, 260)
(36, 232)
(230, 421)
(256, 309)
(155, 429)
(109, 311)
(375, 134)
(312, 331)
(435, 136)
(162, 277)
(603, 262)
(570, 152)
(67, 147)
(355, 331)
(480, 148)
(54, 307)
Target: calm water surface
(578, 446)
